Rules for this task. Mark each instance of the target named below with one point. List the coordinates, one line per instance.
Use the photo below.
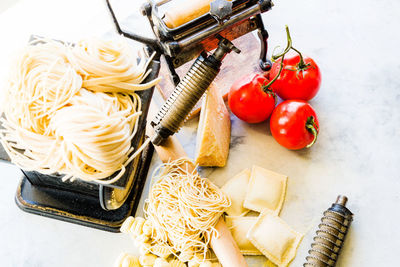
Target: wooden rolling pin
(224, 246)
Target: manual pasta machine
(185, 30)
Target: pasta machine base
(82, 209)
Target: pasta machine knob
(330, 235)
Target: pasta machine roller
(185, 30)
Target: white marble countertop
(357, 154)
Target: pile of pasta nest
(181, 211)
(165, 236)
(73, 110)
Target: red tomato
(294, 124)
(248, 101)
(296, 82)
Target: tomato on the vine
(248, 99)
(300, 77)
(294, 124)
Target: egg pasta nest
(73, 110)
(184, 208)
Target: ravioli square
(266, 190)
(239, 227)
(275, 238)
(235, 189)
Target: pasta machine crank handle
(188, 92)
(145, 40)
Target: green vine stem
(269, 92)
(267, 87)
(301, 66)
(288, 46)
(312, 127)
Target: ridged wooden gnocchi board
(233, 66)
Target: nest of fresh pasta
(181, 211)
(73, 110)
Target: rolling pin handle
(225, 247)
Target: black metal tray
(80, 208)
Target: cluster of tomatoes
(296, 80)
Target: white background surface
(355, 44)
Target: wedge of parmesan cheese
(214, 130)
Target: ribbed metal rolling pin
(330, 235)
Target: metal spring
(330, 235)
(185, 96)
